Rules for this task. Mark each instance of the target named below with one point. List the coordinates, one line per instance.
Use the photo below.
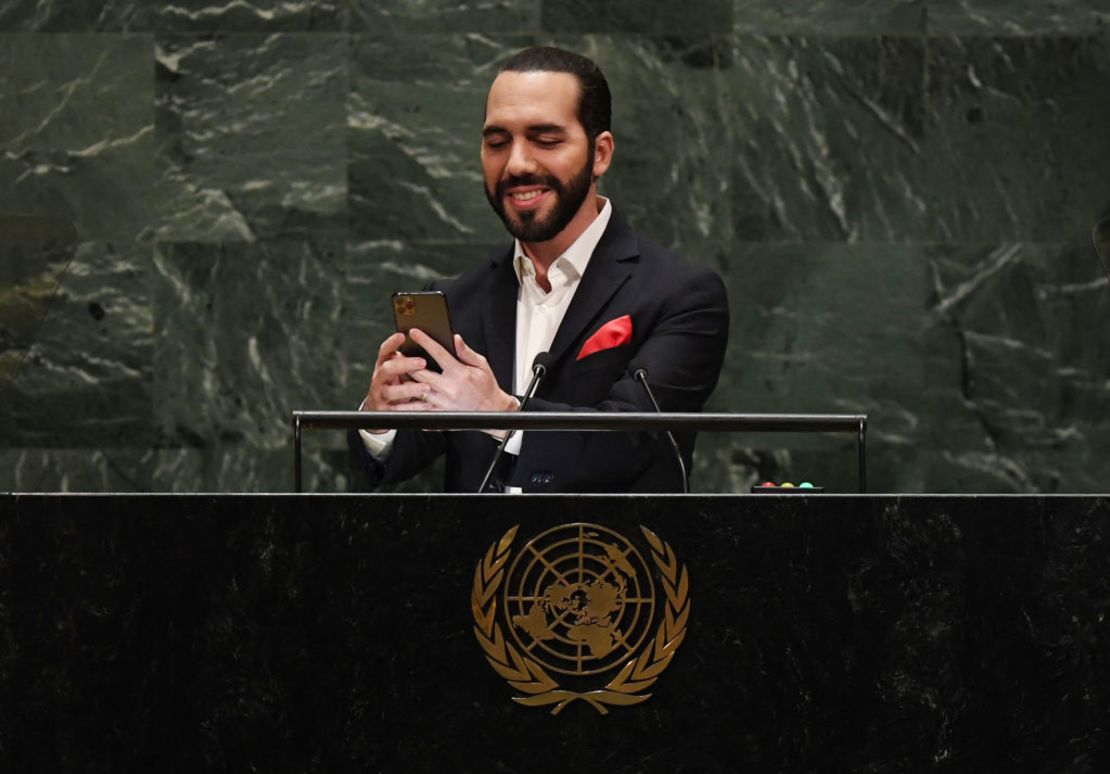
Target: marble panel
(74, 15)
(1017, 137)
(800, 113)
(414, 132)
(84, 377)
(184, 15)
(391, 17)
(245, 334)
(733, 463)
(34, 253)
(77, 139)
(247, 467)
(119, 469)
(830, 17)
(252, 467)
(250, 16)
(828, 328)
(1018, 369)
(749, 139)
(1007, 17)
(821, 328)
(251, 137)
(634, 16)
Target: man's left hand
(466, 384)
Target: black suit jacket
(679, 331)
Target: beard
(531, 226)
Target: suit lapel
(608, 269)
(499, 320)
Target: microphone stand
(539, 368)
(640, 375)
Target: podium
(317, 633)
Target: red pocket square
(612, 334)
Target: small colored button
(786, 484)
(805, 485)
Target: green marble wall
(203, 207)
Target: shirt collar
(577, 256)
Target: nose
(520, 160)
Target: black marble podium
(335, 633)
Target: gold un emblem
(578, 602)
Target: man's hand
(466, 384)
(392, 385)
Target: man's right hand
(391, 386)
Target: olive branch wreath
(527, 676)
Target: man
(577, 282)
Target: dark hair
(595, 103)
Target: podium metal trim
(581, 421)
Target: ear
(603, 153)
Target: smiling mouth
(526, 196)
(526, 201)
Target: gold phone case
(426, 310)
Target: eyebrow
(533, 129)
(546, 129)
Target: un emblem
(579, 601)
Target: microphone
(640, 375)
(1101, 237)
(540, 367)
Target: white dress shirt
(538, 316)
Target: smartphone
(426, 310)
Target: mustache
(545, 180)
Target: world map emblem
(578, 604)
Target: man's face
(536, 158)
